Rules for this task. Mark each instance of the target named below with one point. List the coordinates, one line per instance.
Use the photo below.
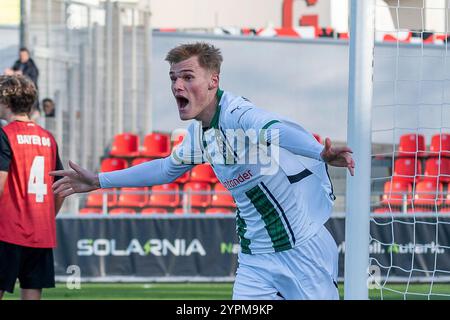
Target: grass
(207, 291)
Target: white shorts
(308, 271)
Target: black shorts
(32, 266)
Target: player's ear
(214, 81)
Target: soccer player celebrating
(275, 170)
(28, 206)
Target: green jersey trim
(273, 224)
(241, 229)
(215, 119)
(265, 127)
(268, 124)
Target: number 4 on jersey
(36, 183)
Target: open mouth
(182, 102)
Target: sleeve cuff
(101, 180)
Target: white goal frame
(357, 222)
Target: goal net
(410, 168)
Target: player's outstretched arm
(150, 173)
(297, 140)
(338, 157)
(77, 180)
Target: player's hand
(74, 181)
(338, 157)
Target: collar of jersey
(215, 119)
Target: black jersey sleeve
(5, 151)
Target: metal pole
(148, 124)
(88, 120)
(48, 63)
(357, 220)
(96, 94)
(61, 97)
(73, 121)
(134, 105)
(59, 120)
(85, 110)
(119, 70)
(108, 73)
(24, 23)
(73, 128)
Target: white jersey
(282, 198)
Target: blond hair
(209, 57)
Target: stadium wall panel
(131, 249)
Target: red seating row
(428, 193)
(198, 194)
(410, 169)
(145, 211)
(156, 145)
(412, 144)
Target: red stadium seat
(428, 193)
(394, 192)
(137, 161)
(412, 144)
(222, 197)
(91, 211)
(343, 35)
(203, 173)
(182, 211)
(219, 211)
(95, 198)
(133, 197)
(165, 195)
(198, 193)
(404, 37)
(440, 143)
(435, 167)
(156, 145)
(125, 145)
(113, 164)
(117, 211)
(154, 211)
(407, 169)
(184, 177)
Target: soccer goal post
(359, 139)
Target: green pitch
(206, 291)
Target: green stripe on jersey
(268, 124)
(215, 119)
(271, 218)
(264, 128)
(242, 228)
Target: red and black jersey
(27, 207)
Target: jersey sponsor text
(33, 139)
